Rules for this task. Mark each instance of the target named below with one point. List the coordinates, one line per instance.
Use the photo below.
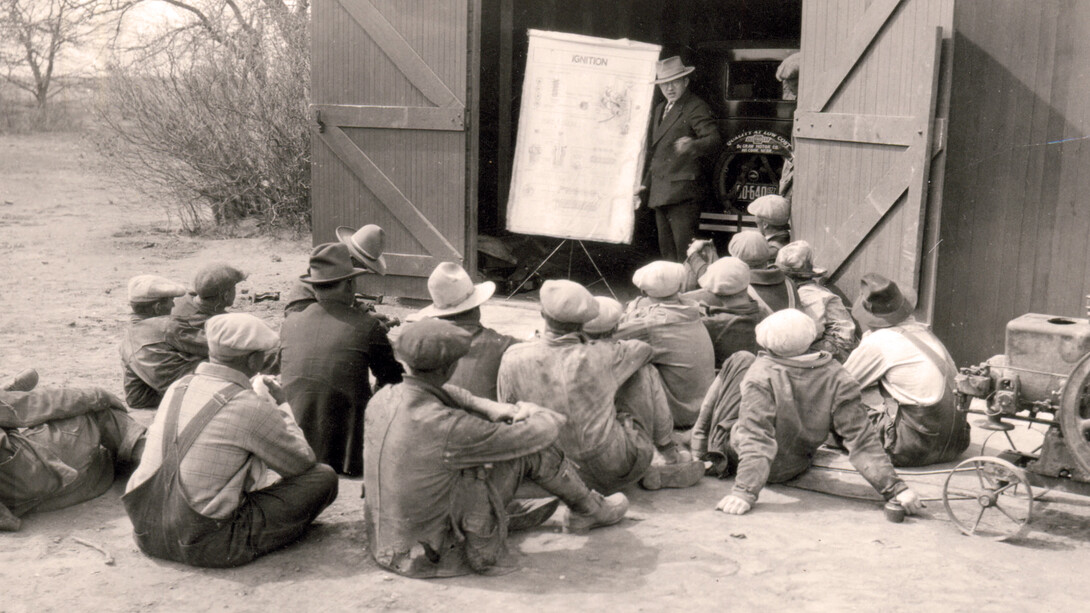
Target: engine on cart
(1043, 377)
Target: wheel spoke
(1006, 487)
(977, 522)
(1009, 516)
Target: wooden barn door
(864, 132)
(394, 144)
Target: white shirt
(906, 373)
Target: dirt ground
(70, 239)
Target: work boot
(671, 454)
(22, 382)
(684, 474)
(599, 511)
(527, 513)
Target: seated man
(580, 380)
(726, 309)
(326, 352)
(681, 348)
(773, 213)
(835, 324)
(59, 446)
(772, 290)
(442, 467)
(206, 493)
(213, 292)
(642, 399)
(907, 378)
(457, 300)
(149, 359)
(365, 246)
(769, 415)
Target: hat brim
(481, 293)
(312, 281)
(684, 73)
(885, 320)
(376, 265)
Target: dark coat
(326, 352)
(672, 177)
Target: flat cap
(660, 279)
(774, 208)
(430, 344)
(237, 334)
(153, 288)
(609, 314)
(726, 277)
(797, 259)
(214, 279)
(568, 302)
(750, 247)
(786, 333)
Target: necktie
(669, 105)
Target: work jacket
(681, 350)
(419, 441)
(151, 362)
(731, 321)
(772, 290)
(835, 325)
(478, 369)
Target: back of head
(772, 208)
(430, 344)
(567, 302)
(660, 279)
(751, 247)
(787, 333)
(216, 279)
(726, 277)
(152, 294)
(797, 259)
(235, 335)
(609, 315)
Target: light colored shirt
(908, 375)
(834, 323)
(230, 457)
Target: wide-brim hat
(670, 69)
(882, 303)
(366, 245)
(452, 291)
(331, 263)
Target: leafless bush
(212, 116)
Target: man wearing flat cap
(456, 299)
(836, 328)
(682, 350)
(768, 286)
(566, 372)
(364, 245)
(326, 352)
(150, 360)
(907, 377)
(766, 416)
(212, 294)
(442, 466)
(773, 213)
(226, 475)
(59, 446)
(683, 132)
(727, 310)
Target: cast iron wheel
(1075, 413)
(988, 497)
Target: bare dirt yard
(70, 239)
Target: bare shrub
(212, 117)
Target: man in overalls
(226, 475)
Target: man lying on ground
(226, 475)
(441, 466)
(59, 446)
(767, 415)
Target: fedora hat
(330, 263)
(452, 291)
(366, 245)
(671, 68)
(881, 303)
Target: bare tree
(34, 34)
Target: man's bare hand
(683, 145)
(275, 389)
(910, 500)
(733, 505)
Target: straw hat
(452, 291)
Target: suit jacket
(671, 177)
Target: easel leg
(597, 270)
(531, 275)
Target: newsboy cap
(430, 344)
(609, 314)
(660, 279)
(726, 277)
(750, 247)
(215, 279)
(786, 333)
(237, 334)
(773, 208)
(797, 259)
(153, 288)
(568, 302)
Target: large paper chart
(586, 104)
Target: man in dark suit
(683, 132)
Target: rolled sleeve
(753, 438)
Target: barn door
(864, 130)
(391, 84)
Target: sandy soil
(69, 240)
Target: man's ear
(255, 361)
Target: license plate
(753, 191)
